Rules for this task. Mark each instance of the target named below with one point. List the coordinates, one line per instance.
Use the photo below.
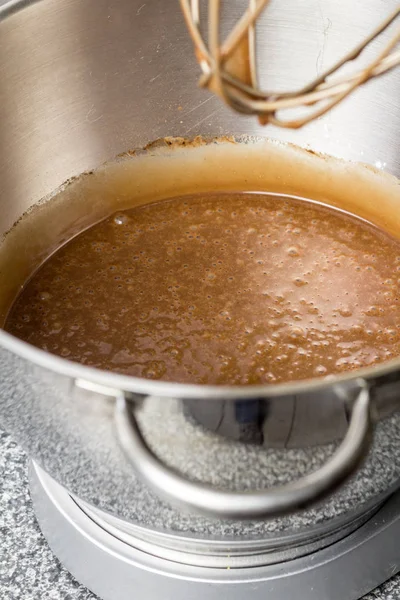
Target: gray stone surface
(28, 569)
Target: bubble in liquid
(390, 332)
(389, 295)
(44, 296)
(269, 377)
(293, 251)
(296, 332)
(174, 352)
(120, 219)
(282, 358)
(154, 370)
(299, 282)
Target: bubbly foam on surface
(219, 288)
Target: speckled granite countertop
(28, 569)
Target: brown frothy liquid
(219, 288)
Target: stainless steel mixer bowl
(84, 80)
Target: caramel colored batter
(219, 289)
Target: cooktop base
(115, 569)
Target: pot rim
(148, 387)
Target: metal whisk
(229, 67)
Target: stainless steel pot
(83, 80)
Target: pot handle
(258, 504)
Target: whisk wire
(229, 66)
